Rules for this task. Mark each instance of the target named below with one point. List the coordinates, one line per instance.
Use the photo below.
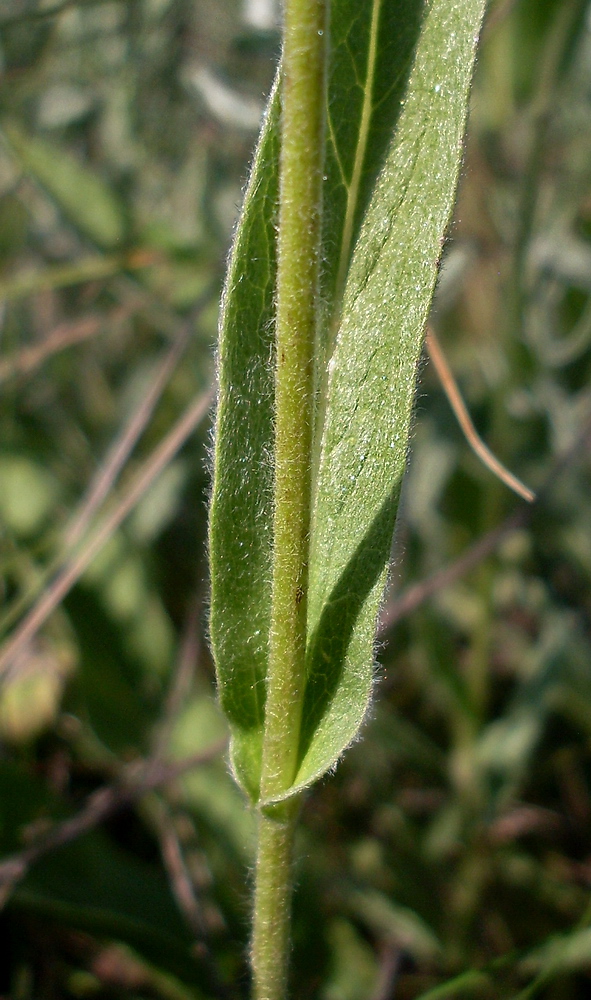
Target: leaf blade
(371, 56)
(372, 382)
(241, 525)
(242, 508)
(241, 513)
(80, 192)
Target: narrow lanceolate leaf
(241, 515)
(83, 196)
(371, 381)
(399, 74)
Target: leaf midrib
(360, 153)
(352, 189)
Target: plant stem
(300, 200)
(300, 195)
(272, 905)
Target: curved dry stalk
(136, 780)
(451, 390)
(64, 335)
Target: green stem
(300, 196)
(272, 905)
(300, 201)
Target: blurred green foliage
(450, 854)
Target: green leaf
(80, 192)
(560, 953)
(396, 923)
(372, 382)
(506, 745)
(241, 513)
(354, 967)
(93, 885)
(109, 688)
(381, 251)
(30, 801)
(372, 46)
(28, 495)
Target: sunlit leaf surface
(366, 374)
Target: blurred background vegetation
(451, 852)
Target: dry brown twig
(179, 876)
(136, 780)
(451, 390)
(182, 678)
(133, 301)
(418, 593)
(26, 360)
(75, 566)
(125, 442)
(388, 971)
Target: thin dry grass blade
(124, 444)
(74, 568)
(451, 390)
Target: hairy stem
(272, 905)
(300, 194)
(300, 198)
